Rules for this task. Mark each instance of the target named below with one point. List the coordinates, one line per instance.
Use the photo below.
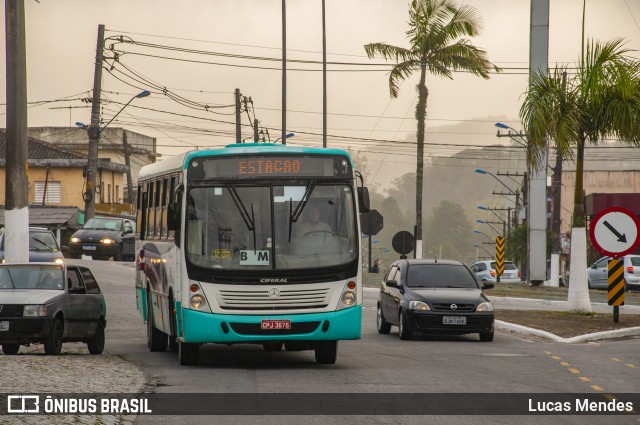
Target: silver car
(598, 275)
(50, 304)
(485, 271)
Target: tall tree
(435, 46)
(602, 99)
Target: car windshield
(42, 241)
(101, 223)
(31, 277)
(440, 276)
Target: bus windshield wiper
(295, 215)
(249, 220)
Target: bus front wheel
(188, 353)
(327, 352)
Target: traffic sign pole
(615, 232)
(615, 286)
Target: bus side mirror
(363, 199)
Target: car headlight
(34, 311)
(485, 306)
(197, 301)
(58, 261)
(419, 305)
(75, 239)
(107, 241)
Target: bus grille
(260, 299)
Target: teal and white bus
(251, 243)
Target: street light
(485, 235)
(511, 136)
(490, 224)
(482, 248)
(92, 161)
(286, 137)
(493, 211)
(481, 171)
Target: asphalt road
(375, 364)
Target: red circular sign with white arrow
(615, 231)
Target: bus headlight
(348, 298)
(197, 301)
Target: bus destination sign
(269, 166)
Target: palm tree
(601, 100)
(436, 46)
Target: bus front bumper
(199, 327)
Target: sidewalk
(513, 303)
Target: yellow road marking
(585, 379)
(597, 388)
(548, 352)
(610, 397)
(556, 357)
(565, 363)
(631, 366)
(574, 370)
(615, 360)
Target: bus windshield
(257, 227)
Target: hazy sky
(61, 40)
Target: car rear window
(440, 276)
(635, 261)
(507, 265)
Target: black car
(103, 238)
(434, 296)
(50, 304)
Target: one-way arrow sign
(615, 232)
(621, 238)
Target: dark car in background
(434, 296)
(43, 246)
(103, 238)
(50, 304)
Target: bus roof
(180, 161)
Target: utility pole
(324, 82)
(238, 122)
(17, 157)
(256, 137)
(537, 202)
(127, 161)
(284, 72)
(94, 131)
(555, 216)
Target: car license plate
(4, 326)
(275, 324)
(454, 320)
(89, 248)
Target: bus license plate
(454, 320)
(89, 248)
(275, 324)
(4, 326)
